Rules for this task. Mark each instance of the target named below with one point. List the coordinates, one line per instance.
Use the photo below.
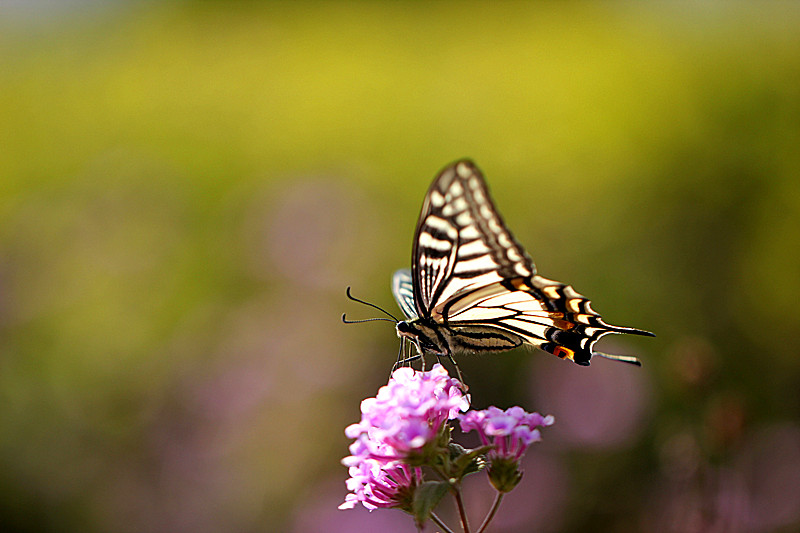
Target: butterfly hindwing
(403, 291)
(544, 313)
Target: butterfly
(472, 288)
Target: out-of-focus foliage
(187, 188)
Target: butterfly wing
(461, 241)
(544, 313)
(403, 291)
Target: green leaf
(426, 498)
(468, 461)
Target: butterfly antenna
(384, 311)
(624, 358)
(344, 319)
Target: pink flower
(408, 414)
(376, 485)
(510, 432)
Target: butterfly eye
(404, 327)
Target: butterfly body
(472, 288)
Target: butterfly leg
(421, 356)
(458, 373)
(404, 359)
(401, 355)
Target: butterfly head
(424, 337)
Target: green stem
(461, 510)
(495, 504)
(440, 523)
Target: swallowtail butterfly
(472, 288)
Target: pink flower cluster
(407, 414)
(510, 431)
(401, 424)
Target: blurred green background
(186, 189)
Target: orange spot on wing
(563, 353)
(519, 284)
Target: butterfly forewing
(461, 241)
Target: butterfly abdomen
(478, 339)
(432, 338)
